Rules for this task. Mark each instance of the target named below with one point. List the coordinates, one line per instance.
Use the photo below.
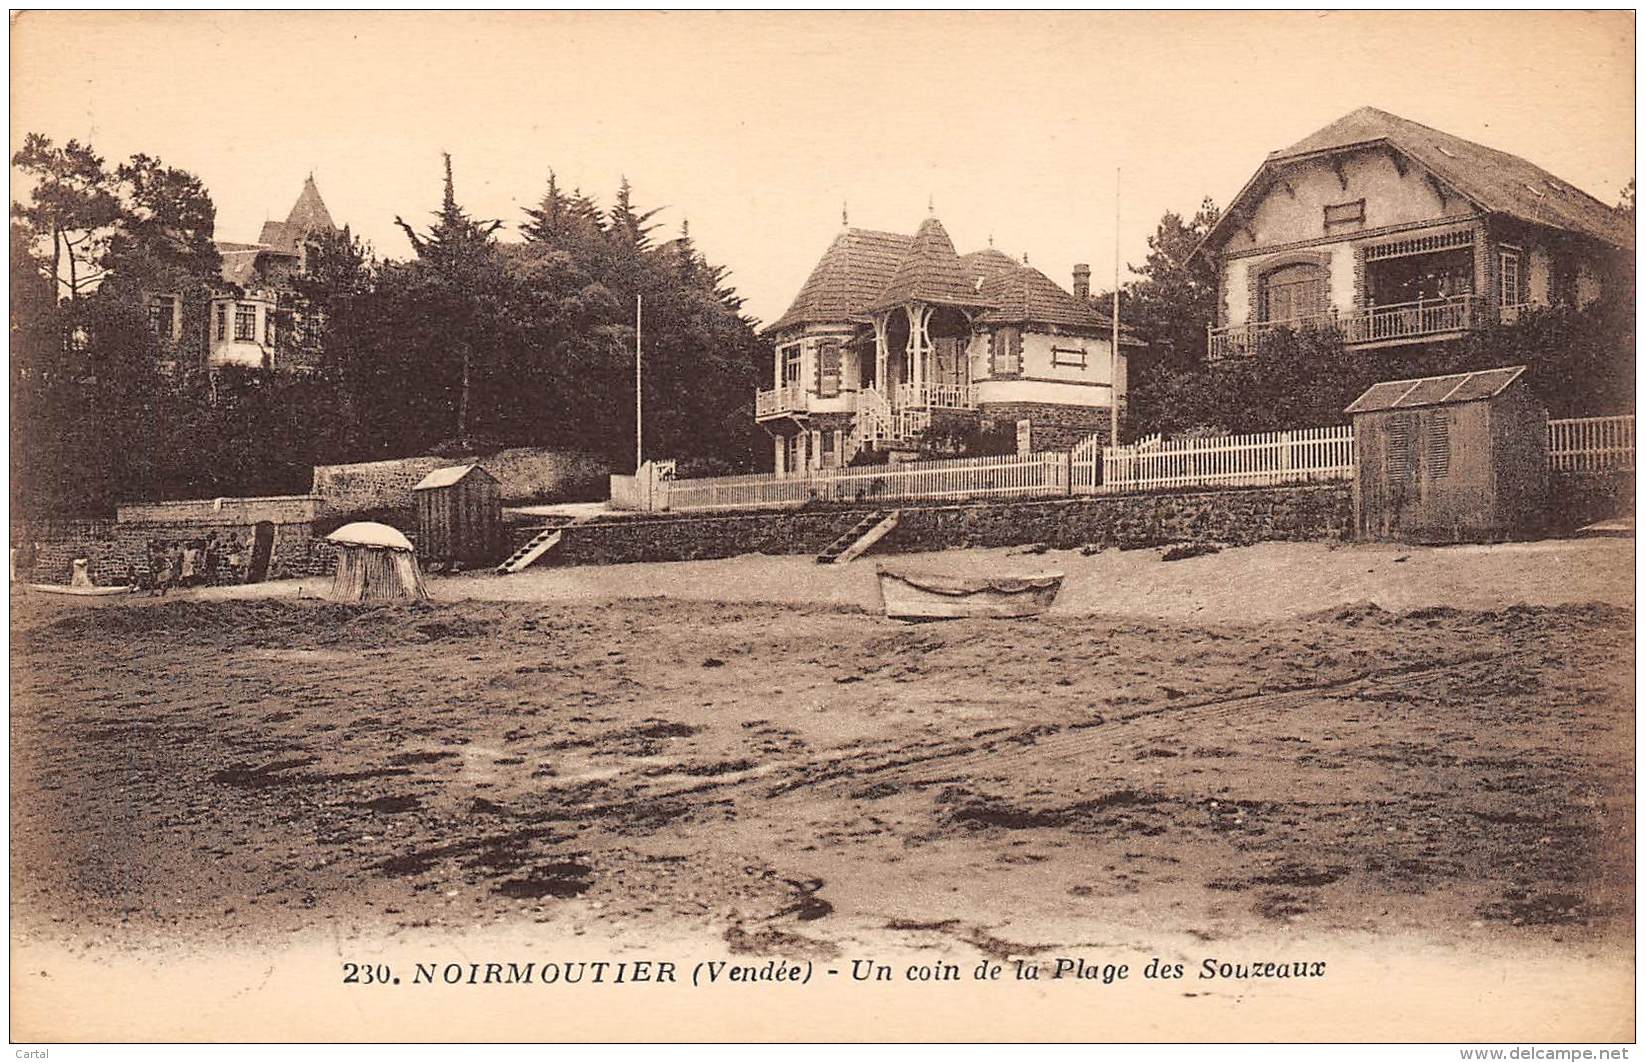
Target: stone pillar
(802, 448)
(781, 462)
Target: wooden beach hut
(459, 517)
(1447, 459)
(375, 563)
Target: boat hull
(79, 592)
(910, 596)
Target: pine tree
(627, 226)
(460, 255)
(549, 217)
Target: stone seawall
(1237, 516)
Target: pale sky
(759, 126)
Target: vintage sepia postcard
(823, 526)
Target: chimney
(1082, 281)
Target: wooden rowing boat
(928, 596)
(59, 588)
(79, 584)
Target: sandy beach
(1286, 740)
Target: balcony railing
(937, 396)
(1377, 324)
(773, 402)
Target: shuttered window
(1005, 352)
(1400, 431)
(1437, 446)
(828, 369)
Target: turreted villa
(245, 317)
(892, 333)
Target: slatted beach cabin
(459, 517)
(1446, 459)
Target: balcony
(1376, 326)
(936, 396)
(779, 402)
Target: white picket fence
(1306, 455)
(1015, 475)
(1263, 459)
(1591, 444)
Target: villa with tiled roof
(891, 334)
(1394, 233)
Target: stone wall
(525, 475)
(1578, 498)
(119, 552)
(277, 509)
(1239, 516)
(1052, 426)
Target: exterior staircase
(856, 542)
(882, 427)
(527, 555)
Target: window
(791, 365)
(222, 321)
(1345, 214)
(1510, 291)
(1005, 352)
(1291, 294)
(828, 369)
(162, 316)
(1074, 356)
(245, 323)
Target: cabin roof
(1435, 390)
(446, 477)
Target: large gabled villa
(1396, 234)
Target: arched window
(1295, 292)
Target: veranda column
(802, 447)
(882, 356)
(782, 455)
(915, 354)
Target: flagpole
(1114, 340)
(638, 409)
